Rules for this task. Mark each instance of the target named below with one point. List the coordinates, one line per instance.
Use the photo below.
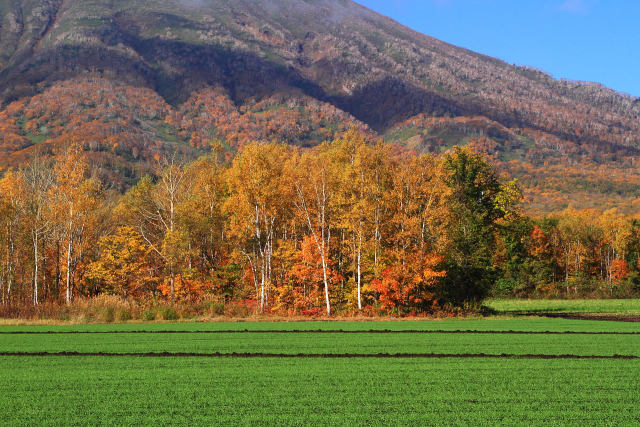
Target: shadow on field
(573, 316)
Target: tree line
(342, 227)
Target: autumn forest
(349, 226)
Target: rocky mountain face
(134, 79)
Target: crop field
(577, 306)
(492, 371)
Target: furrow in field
(324, 355)
(322, 331)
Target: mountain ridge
(322, 66)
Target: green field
(278, 374)
(193, 391)
(327, 343)
(461, 324)
(594, 306)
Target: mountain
(135, 79)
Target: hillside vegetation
(136, 80)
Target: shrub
(241, 309)
(504, 287)
(216, 308)
(168, 313)
(109, 315)
(149, 315)
(125, 315)
(312, 312)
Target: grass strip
(325, 343)
(487, 324)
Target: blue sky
(594, 40)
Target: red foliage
(307, 277)
(409, 285)
(619, 269)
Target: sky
(592, 40)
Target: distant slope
(147, 77)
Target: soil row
(326, 331)
(324, 355)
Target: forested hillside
(135, 81)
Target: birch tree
(154, 210)
(315, 182)
(76, 199)
(11, 208)
(38, 180)
(258, 206)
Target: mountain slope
(189, 71)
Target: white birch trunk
(35, 269)
(68, 278)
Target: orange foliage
(619, 269)
(409, 285)
(306, 276)
(186, 289)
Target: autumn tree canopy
(348, 226)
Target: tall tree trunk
(322, 240)
(325, 248)
(10, 250)
(35, 269)
(566, 272)
(58, 269)
(254, 274)
(44, 289)
(262, 279)
(326, 285)
(68, 278)
(10, 279)
(359, 272)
